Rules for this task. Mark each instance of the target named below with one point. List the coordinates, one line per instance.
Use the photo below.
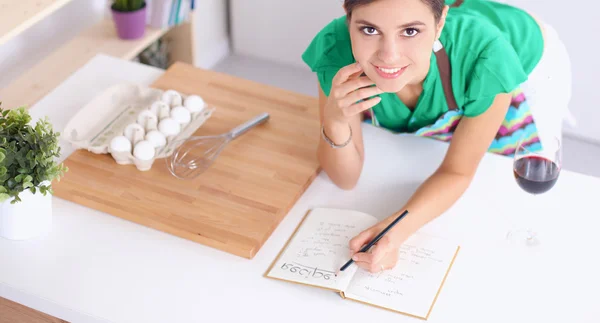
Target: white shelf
(18, 15)
(58, 66)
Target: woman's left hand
(384, 254)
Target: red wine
(535, 174)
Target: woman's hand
(347, 89)
(340, 118)
(384, 254)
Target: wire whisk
(197, 153)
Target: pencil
(377, 238)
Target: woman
(457, 71)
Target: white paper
(412, 285)
(320, 247)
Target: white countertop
(94, 267)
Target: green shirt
(492, 48)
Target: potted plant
(129, 17)
(28, 166)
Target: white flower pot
(27, 219)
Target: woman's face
(392, 40)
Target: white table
(94, 267)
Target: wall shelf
(18, 15)
(34, 84)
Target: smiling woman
(461, 71)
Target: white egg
(148, 120)
(157, 106)
(194, 103)
(169, 127)
(181, 115)
(134, 132)
(157, 138)
(172, 98)
(144, 150)
(164, 112)
(120, 144)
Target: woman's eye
(410, 32)
(369, 30)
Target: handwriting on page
(403, 280)
(326, 241)
(318, 249)
(417, 255)
(307, 271)
(388, 284)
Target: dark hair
(436, 6)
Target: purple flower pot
(130, 24)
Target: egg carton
(136, 124)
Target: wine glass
(536, 171)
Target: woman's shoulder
(486, 20)
(483, 61)
(331, 48)
(468, 35)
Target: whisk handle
(239, 130)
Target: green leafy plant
(27, 155)
(128, 5)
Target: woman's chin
(390, 87)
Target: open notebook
(319, 247)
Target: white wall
(211, 32)
(575, 23)
(280, 30)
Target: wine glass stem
(531, 237)
(524, 231)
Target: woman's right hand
(340, 114)
(348, 95)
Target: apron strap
(443, 63)
(457, 3)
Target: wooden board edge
(176, 66)
(286, 210)
(238, 250)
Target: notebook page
(412, 285)
(320, 247)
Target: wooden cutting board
(237, 203)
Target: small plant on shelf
(128, 5)
(27, 155)
(129, 17)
